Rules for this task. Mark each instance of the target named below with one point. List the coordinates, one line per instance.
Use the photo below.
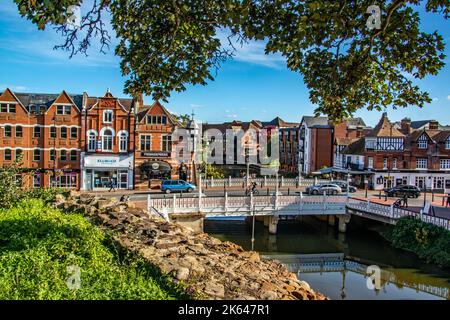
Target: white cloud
(435, 99)
(13, 87)
(448, 97)
(231, 115)
(196, 106)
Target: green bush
(428, 241)
(41, 249)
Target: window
(447, 143)
(370, 162)
(146, 142)
(19, 153)
(167, 143)
(422, 143)
(53, 132)
(63, 132)
(92, 141)
(36, 132)
(386, 144)
(36, 155)
(52, 155)
(37, 180)
(73, 155)
(422, 163)
(64, 181)
(73, 133)
(156, 119)
(19, 132)
(123, 142)
(107, 140)
(8, 131)
(63, 110)
(394, 163)
(438, 182)
(8, 108)
(63, 155)
(8, 155)
(385, 163)
(108, 116)
(445, 163)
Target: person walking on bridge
(405, 200)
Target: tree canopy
(165, 45)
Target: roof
(127, 103)
(316, 122)
(357, 122)
(345, 141)
(46, 99)
(357, 147)
(280, 123)
(385, 128)
(419, 124)
(144, 110)
(434, 135)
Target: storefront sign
(93, 161)
(155, 154)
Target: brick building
(45, 129)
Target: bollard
(432, 195)
(379, 195)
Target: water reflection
(335, 264)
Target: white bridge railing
(285, 205)
(263, 182)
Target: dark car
(400, 191)
(343, 186)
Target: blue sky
(251, 86)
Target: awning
(155, 166)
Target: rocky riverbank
(210, 268)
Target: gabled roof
(46, 99)
(419, 123)
(146, 108)
(356, 122)
(280, 123)
(357, 147)
(433, 135)
(442, 136)
(345, 141)
(316, 122)
(125, 103)
(385, 128)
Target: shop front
(99, 172)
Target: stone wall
(210, 268)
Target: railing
(263, 182)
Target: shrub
(428, 241)
(41, 249)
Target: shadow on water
(404, 275)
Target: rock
(305, 285)
(215, 289)
(182, 273)
(269, 295)
(301, 295)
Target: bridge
(338, 262)
(270, 208)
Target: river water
(336, 264)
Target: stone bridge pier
(270, 222)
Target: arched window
(92, 141)
(123, 141)
(107, 140)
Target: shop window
(107, 140)
(64, 181)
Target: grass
(42, 248)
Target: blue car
(169, 186)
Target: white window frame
(108, 141)
(444, 164)
(422, 143)
(421, 163)
(10, 154)
(108, 116)
(394, 164)
(37, 178)
(140, 141)
(168, 142)
(92, 141)
(34, 154)
(385, 163)
(447, 143)
(123, 141)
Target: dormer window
(107, 116)
(63, 110)
(422, 143)
(8, 108)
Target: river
(335, 264)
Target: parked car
(328, 188)
(169, 186)
(400, 191)
(343, 186)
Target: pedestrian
(405, 200)
(111, 185)
(448, 201)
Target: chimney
(359, 131)
(433, 125)
(405, 126)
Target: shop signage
(155, 154)
(108, 161)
